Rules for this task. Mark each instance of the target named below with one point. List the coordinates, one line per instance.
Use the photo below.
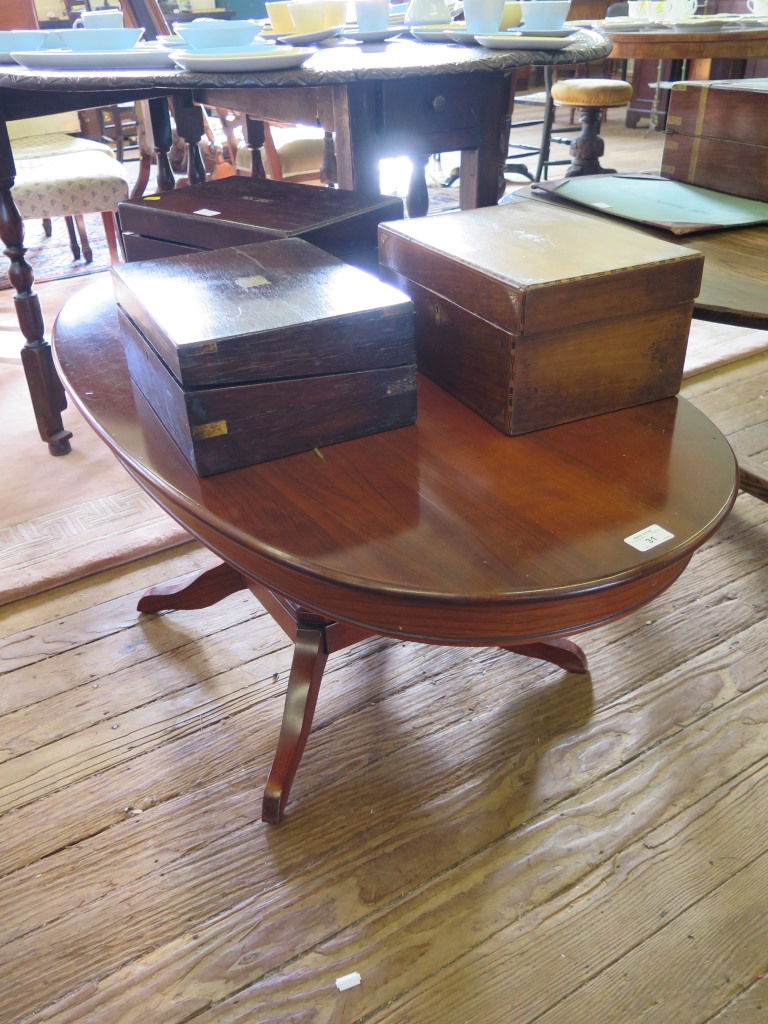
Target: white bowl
(23, 39)
(92, 40)
(210, 35)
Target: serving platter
(98, 60)
(282, 58)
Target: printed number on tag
(648, 538)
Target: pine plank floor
(486, 839)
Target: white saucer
(460, 35)
(371, 37)
(117, 60)
(305, 38)
(506, 41)
(282, 58)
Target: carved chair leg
(74, 245)
(85, 244)
(48, 227)
(309, 658)
(110, 231)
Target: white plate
(119, 60)
(305, 38)
(371, 37)
(430, 33)
(554, 33)
(170, 42)
(284, 57)
(505, 41)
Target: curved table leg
(206, 589)
(562, 652)
(753, 477)
(309, 658)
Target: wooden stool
(590, 96)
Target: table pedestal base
(314, 638)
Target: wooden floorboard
(485, 838)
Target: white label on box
(649, 538)
(207, 213)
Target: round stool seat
(592, 92)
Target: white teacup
(675, 9)
(100, 19)
(512, 16)
(545, 14)
(372, 15)
(758, 6)
(483, 17)
(308, 16)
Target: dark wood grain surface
(445, 531)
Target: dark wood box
(239, 211)
(717, 136)
(258, 351)
(534, 315)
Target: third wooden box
(534, 315)
(240, 210)
(717, 136)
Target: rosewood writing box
(258, 351)
(239, 210)
(534, 315)
(717, 136)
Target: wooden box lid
(530, 266)
(265, 311)
(239, 210)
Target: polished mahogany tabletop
(446, 531)
(671, 44)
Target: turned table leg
(45, 388)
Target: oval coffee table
(444, 532)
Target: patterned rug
(64, 518)
(52, 259)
